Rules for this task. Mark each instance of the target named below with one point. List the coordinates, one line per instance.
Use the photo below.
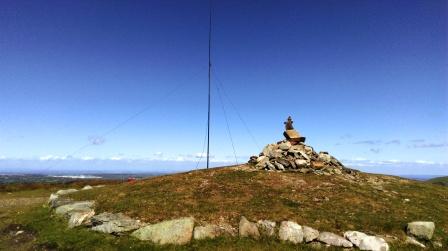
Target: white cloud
(87, 158)
(424, 162)
(52, 157)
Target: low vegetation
(374, 204)
(443, 181)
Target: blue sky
(364, 80)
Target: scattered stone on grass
(310, 234)
(248, 229)
(178, 231)
(334, 240)
(266, 227)
(114, 223)
(421, 229)
(290, 231)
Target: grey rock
(284, 145)
(88, 187)
(373, 243)
(114, 223)
(325, 157)
(334, 240)
(178, 231)
(310, 234)
(262, 159)
(301, 163)
(208, 231)
(290, 231)
(413, 241)
(355, 237)
(248, 229)
(421, 229)
(279, 166)
(266, 227)
(66, 191)
(270, 166)
(79, 206)
(78, 217)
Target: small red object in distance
(131, 179)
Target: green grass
(439, 181)
(328, 203)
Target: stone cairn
(292, 154)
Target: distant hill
(440, 181)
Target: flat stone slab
(421, 229)
(178, 231)
(76, 206)
(66, 191)
(334, 240)
(114, 223)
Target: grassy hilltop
(375, 204)
(440, 181)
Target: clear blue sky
(364, 80)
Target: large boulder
(421, 229)
(248, 229)
(178, 231)
(310, 234)
(78, 206)
(266, 227)
(114, 223)
(290, 231)
(334, 240)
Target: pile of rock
(298, 157)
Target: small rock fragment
(248, 229)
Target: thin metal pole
(209, 82)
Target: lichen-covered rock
(248, 229)
(78, 206)
(373, 243)
(208, 231)
(310, 234)
(66, 191)
(178, 231)
(334, 240)
(55, 201)
(290, 231)
(355, 237)
(79, 217)
(266, 227)
(114, 223)
(421, 229)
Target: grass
(439, 181)
(328, 203)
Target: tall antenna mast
(209, 81)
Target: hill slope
(374, 204)
(439, 181)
